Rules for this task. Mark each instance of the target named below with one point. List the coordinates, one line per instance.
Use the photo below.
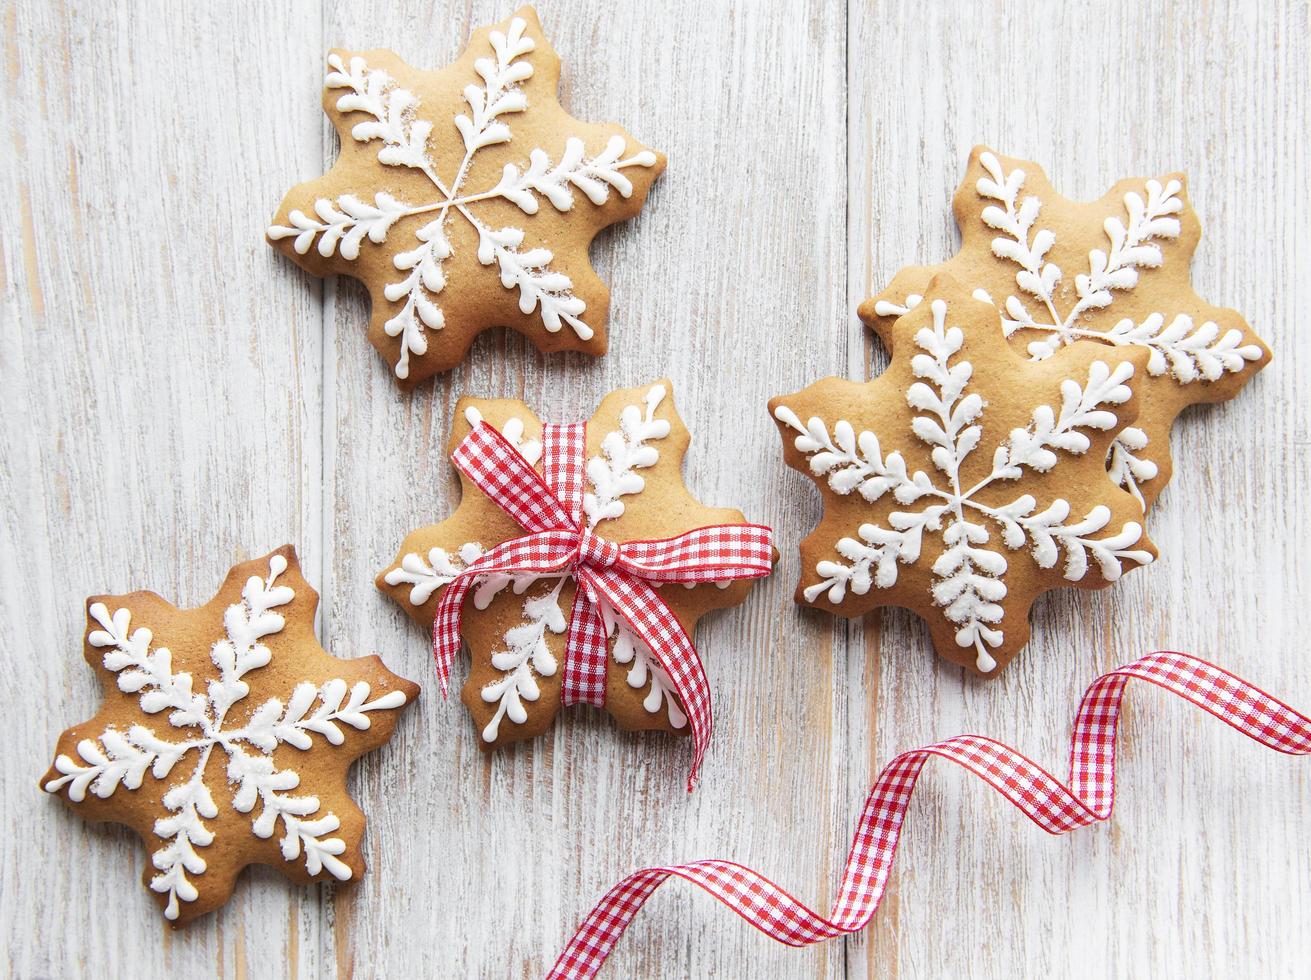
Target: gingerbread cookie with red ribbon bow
(225, 735)
(1112, 272)
(465, 199)
(576, 568)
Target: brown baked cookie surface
(225, 735)
(966, 480)
(515, 627)
(1114, 272)
(465, 198)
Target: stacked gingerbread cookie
(1021, 431)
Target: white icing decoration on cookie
(968, 582)
(343, 224)
(611, 475)
(426, 577)
(440, 567)
(1189, 353)
(629, 649)
(623, 451)
(529, 449)
(1124, 468)
(593, 177)
(1186, 351)
(122, 758)
(887, 308)
(525, 656)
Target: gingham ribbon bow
(621, 576)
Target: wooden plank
(1199, 872)
(731, 282)
(161, 415)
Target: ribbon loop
(717, 553)
(492, 463)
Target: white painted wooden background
(176, 396)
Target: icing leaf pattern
(191, 725)
(1044, 309)
(394, 118)
(968, 576)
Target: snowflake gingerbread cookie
(586, 564)
(466, 198)
(225, 735)
(966, 480)
(1114, 272)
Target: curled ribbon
(1055, 807)
(620, 575)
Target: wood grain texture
(177, 396)
(1202, 870)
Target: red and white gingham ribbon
(620, 575)
(1053, 806)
